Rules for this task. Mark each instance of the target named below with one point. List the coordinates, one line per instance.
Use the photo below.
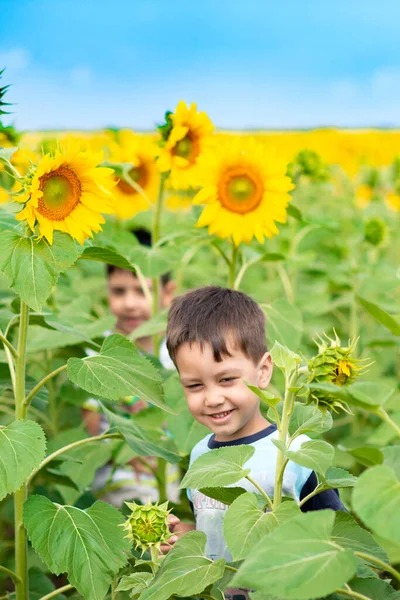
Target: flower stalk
(21, 546)
(155, 238)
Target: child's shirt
(298, 482)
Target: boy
(129, 304)
(216, 338)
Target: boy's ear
(265, 371)
(167, 293)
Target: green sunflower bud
(147, 525)
(311, 165)
(375, 232)
(333, 364)
(166, 127)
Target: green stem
(386, 417)
(287, 286)
(21, 546)
(114, 586)
(156, 280)
(354, 325)
(41, 383)
(154, 555)
(288, 405)
(311, 495)
(379, 563)
(161, 476)
(262, 492)
(221, 252)
(10, 574)
(55, 593)
(229, 568)
(351, 594)
(232, 266)
(48, 459)
(8, 345)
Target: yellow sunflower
(245, 188)
(140, 150)
(67, 192)
(184, 142)
(392, 201)
(364, 195)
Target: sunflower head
(245, 189)
(184, 137)
(136, 191)
(333, 364)
(375, 232)
(310, 165)
(67, 191)
(392, 200)
(147, 525)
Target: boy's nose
(213, 399)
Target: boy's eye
(193, 386)
(118, 291)
(228, 379)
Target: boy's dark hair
(143, 236)
(209, 315)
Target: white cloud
(16, 59)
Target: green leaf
(307, 419)
(380, 315)
(367, 456)
(87, 545)
(135, 582)
(348, 534)
(138, 440)
(33, 267)
(338, 478)
(295, 212)
(376, 500)
(272, 257)
(369, 588)
(284, 358)
(92, 458)
(391, 458)
(7, 153)
(298, 560)
(316, 454)
(185, 571)
(284, 323)
(226, 495)
(22, 449)
(30, 383)
(118, 370)
(245, 524)
(219, 467)
(5, 318)
(264, 395)
(106, 255)
(369, 393)
(7, 221)
(157, 324)
(40, 585)
(154, 261)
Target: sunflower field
(305, 222)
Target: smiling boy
(216, 338)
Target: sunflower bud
(311, 165)
(333, 364)
(375, 232)
(147, 525)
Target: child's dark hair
(211, 315)
(143, 236)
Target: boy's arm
(326, 499)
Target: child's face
(128, 302)
(216, 393)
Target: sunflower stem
(288, 406)
(21, 546)
(387, 418)
(155, 237)
(232, 266)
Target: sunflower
(364, 195)
(392, 201)
(139, 150)
(67, 191)
(245, 188)
(185, 137)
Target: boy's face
(216, 393)
(128, 302)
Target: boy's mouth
(222, 416)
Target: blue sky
(250, 63)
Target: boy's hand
(173, 525)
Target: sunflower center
(187, 148)
(240, 189)
(61, 193)
(139, 175)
